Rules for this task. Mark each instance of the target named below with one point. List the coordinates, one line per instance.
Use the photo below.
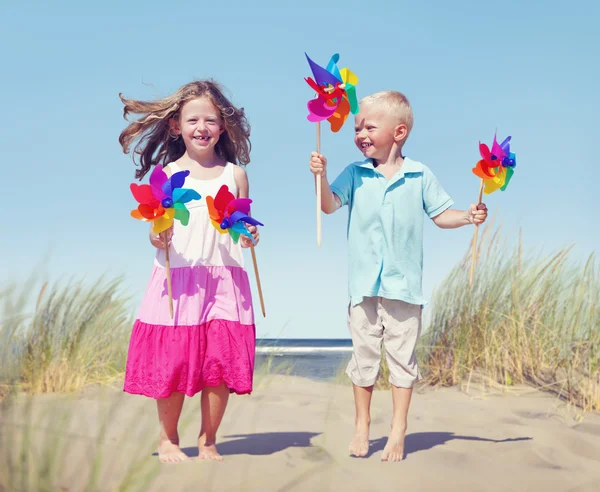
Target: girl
(208, 346)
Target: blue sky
(468, 68)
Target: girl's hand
(245, 240)
(157, 239)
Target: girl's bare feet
(170, 452)
(394, 448)
(213, 403)
(208, 450)
(169, 410)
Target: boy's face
(376, 131)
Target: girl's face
(200, 125)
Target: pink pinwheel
(336, 99)
(336, 93)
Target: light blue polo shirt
(385, 228)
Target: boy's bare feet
(208, 450)
(359, 446)
(170, 452)
(394, 448)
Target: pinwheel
(161, 202)
(229, 214)
(336, 99)
(336, 93)
(495, 169)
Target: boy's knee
(403, 369)
(363, 371)
(405, 380)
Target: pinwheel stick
(318, 183)
(260, 294)
(474, 252)
(168, 266)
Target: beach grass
(528, 318)
(62, 337)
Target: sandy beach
(292, 434)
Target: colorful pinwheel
(336, 93)
(229, 214)
(497, 166)
(336, 99)
(161, 202)
(495, 169)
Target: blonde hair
(158, 145)
(395, 102)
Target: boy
(386, 194)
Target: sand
(292, 434)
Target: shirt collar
(409, 166)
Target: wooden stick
(318, 182)
(260, 294)
(168, 266)
(473, 254)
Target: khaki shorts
(397, 325)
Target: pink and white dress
(211, 338)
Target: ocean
(319, 359)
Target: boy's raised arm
(330, 202)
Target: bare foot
(394, 448)
(359, 446)
(208, 451)
(169, 452)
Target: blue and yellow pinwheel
(163, 200)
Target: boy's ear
(400, 132)
(174, 126)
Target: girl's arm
(241, 181)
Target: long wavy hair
(157, 144)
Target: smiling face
(376, 131)
(200, 125)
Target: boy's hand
(318, 164)
(477, 213)
(245, 240)
(157, 239)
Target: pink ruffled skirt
(210, 340)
